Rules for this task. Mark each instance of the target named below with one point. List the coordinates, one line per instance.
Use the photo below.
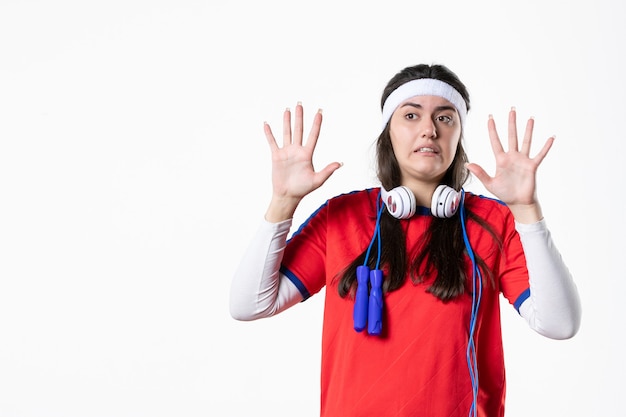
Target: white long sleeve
(258, 289)
(553, 308)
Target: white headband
(423, 87)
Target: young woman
(413, 269)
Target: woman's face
(425, 132)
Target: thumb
(478, 172)
(328, 170)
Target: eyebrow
(438, 108)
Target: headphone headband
(401, 204)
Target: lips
(426, 149)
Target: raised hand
(514, 181)
(293, 174)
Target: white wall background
(133, 171)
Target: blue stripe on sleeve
(299, 285)
(520, 300)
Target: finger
(512, 130)
(314, 134)
(528, 137)
(287, 127)
(479, 173)
(544, 151)
(325, 173)
(270, 136)
(297, 125)
(496, 145)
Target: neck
(423, 192)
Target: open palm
(293, 174)
(514, 181)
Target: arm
(553, 306)
(258, 289)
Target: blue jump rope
(368, 304)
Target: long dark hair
(441, 250)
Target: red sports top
(419, 366)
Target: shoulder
(489, 209)
(343, 208)
(356, 197)
(349, 201)
(352, 205)
(481, 202)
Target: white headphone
(400, 202)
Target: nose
(429, 130)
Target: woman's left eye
(445, 119)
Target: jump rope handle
(375, 315)
(361, 298)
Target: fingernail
(512, 108)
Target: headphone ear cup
(445, 201)
(400, 202)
